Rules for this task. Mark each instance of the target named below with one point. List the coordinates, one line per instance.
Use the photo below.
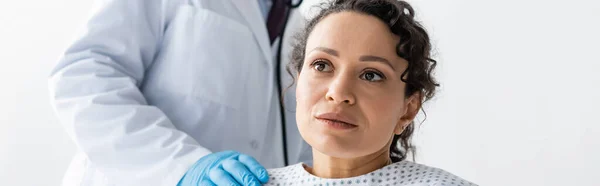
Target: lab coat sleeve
(95, 93)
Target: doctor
(157, 92)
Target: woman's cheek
(303, 94)
(306, 88)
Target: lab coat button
(254, 144)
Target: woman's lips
(337, 120)
(337, 124)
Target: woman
(363, 71)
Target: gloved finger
(240, 173)
(226, 154)
(258, 170)
(207, 183)
(219, 177)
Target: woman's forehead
(353, 32)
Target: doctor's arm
(95, 93)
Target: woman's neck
(330, 167)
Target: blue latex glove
(225, 168)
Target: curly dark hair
(414, 46)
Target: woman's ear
(411, 109)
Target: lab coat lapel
(249, 9)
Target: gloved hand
(225, 168)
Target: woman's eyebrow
(366, 58)
(369, 58)
(327, 50)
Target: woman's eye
(372, 76)
(322, 66)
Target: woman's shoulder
(286, 169)
(399, 173)
(410, 173)
(285, 174)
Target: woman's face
(350, 99)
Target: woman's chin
(335, 147)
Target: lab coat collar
(251, 13)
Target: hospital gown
(402, 173)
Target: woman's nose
(340, 91)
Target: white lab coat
(151, 86)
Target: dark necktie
(277, 18)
